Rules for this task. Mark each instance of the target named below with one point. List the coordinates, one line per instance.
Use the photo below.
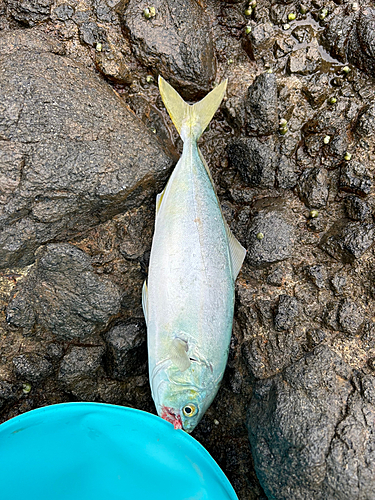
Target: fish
(188, 297)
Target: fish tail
(191, 120)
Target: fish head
(180, 400)
(181, 406)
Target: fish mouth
(172, 416)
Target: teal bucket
(92, 451)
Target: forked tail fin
(191, 120)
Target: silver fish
(188, 300)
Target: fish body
(189, 298)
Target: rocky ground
(85, 145)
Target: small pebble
(216, 422)
(355, 6)
(26, 388)
(99, 47)
(286, 26)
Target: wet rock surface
(270, 238)
(317, 403)
(85, 145)
(175, 41)
(126, 350)
(51, 141)
(64, 295)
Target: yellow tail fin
(191, 120)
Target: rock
(354, 178)
(30, 12)
(317, 224)
(262, 105)
(176, 43)
(348, 241)
(350, 317)
(303, 34)
(317, 89)
(276, 277)
(113, 65)
(337, 32)
(79, 370)
(67, 129)
(315, 337)
(126, 350)
(356, 208)
(313, 187)
(104, 10)
(255, 159)
(351, 36)
(259, 41)
(270, 238)
(305, 61)
(366, 122)
(64, 295)
(312, 431)
(286, 175)
(361, 43)
(286, 313)
(338, 283)
(63, 12)
(7, 393)
(91, 34)
(32, 367)
(33, 40)
(318, 275)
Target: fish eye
(189, 410)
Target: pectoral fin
(179, 354)
(145, 300)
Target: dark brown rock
(61, 126)
(176, 43)
(64, 295)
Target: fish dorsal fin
(191, 120)
(237, 251)
(179, 354)
(145, 300)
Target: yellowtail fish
(188, 300)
